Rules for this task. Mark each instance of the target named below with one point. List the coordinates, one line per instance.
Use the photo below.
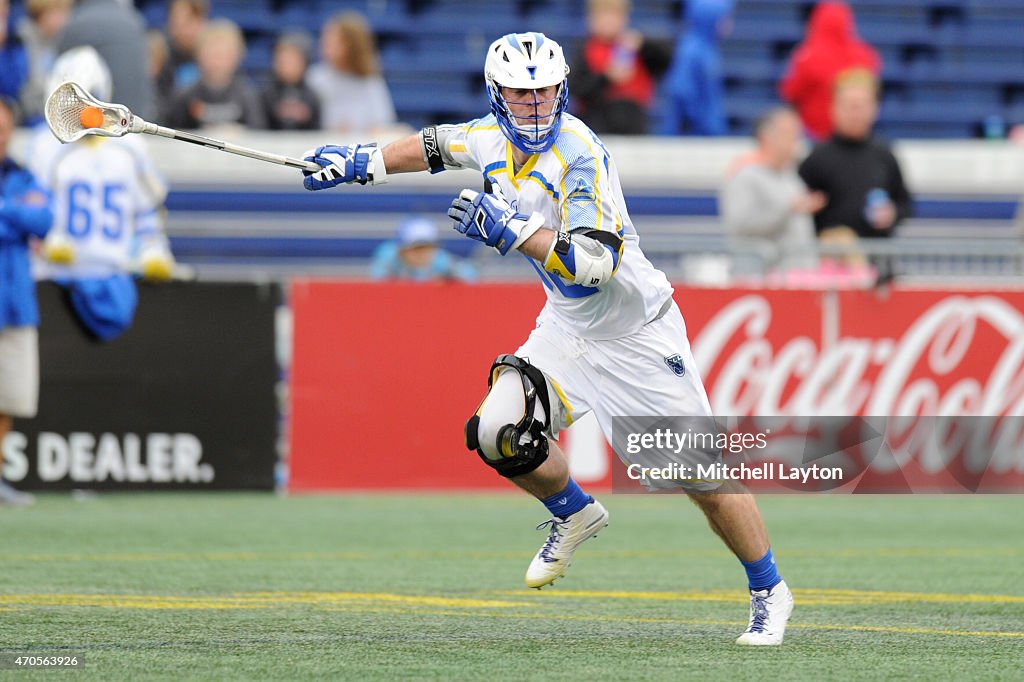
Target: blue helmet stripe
(538, 39)
(511, 37)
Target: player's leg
(646, 383)
(19, 391)
(550, 478)
(511, 432)
(9, 497)
(5, 426)
(575, 517)
(733, 515)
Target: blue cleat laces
(557, 525)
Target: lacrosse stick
(72, 113)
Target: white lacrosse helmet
(527, 61)
(85, 66)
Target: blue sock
(762, 574)
(567, 502)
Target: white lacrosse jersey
(107, 195)
(574, 184)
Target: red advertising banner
(385, 375)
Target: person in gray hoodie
(116, 29)
(39, 31)
(765, 208)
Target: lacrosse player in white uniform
(610, 338)
(108, 209)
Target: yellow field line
(122, 601)
(913, 631)
(693, 621)
(424, 554)
(377, 602)
(255, 600)
(424, 600)
(523, 599)
(186, 556)
(803, 596)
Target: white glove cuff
(375, 170)
(532, 224)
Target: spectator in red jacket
(830, 47)
(614, 71)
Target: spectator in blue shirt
(415, 255)
(693, 84)
(13, 60)
(24, 214)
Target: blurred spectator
(156, 67)
(765, 207)
(24, 215)
(289, 103)
(830, 47)
(613, 73)
(118, 33)
(857, 172)
(39, 31)
(108, 213)
(186, 20)
(353, 95)
(694, 84)
(415, 255)
(222, 96)
(13, 60)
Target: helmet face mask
(529, 64)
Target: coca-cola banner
(787, 454)
(385, 376)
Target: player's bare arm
(583, 257)
(405, 155)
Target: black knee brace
(518, 458)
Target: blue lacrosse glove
(362, 163)
(488, 218)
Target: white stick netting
(64, 109)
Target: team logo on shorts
(675, 363)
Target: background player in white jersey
(609, 340)
(108, 211)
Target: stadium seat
(933, 50)
(258, 55)
(250, 16)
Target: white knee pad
(505, 404)
(509, 428)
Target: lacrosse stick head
(64, 114)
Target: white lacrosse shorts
(650, 373)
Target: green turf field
(385, 587)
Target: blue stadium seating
(949, 64)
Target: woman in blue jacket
(24, 215)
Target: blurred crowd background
(948, 68)
(756, 139)
(762, 144)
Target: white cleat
(564, 537)
(769, 613)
